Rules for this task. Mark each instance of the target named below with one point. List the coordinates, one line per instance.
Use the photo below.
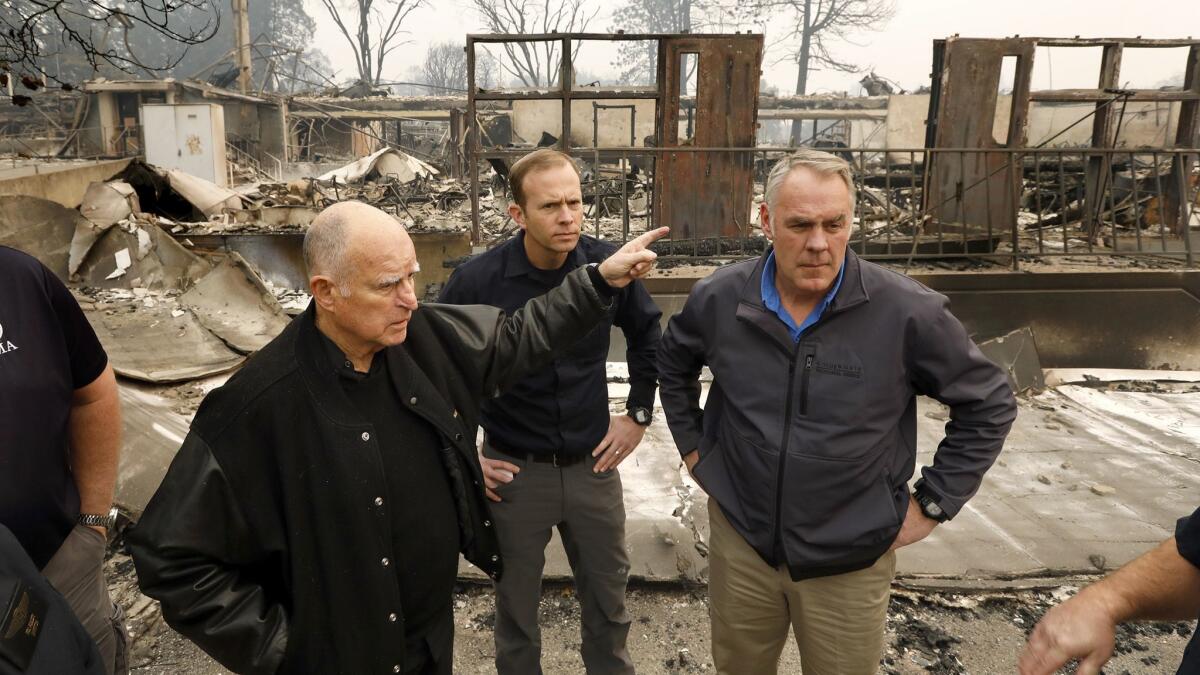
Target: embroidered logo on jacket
(838, 369)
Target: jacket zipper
(787, 436)
(808, 364)
(783, 446)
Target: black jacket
(266, 544)
(562, 408)
(62, 645)
(810, 445)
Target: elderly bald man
(312, 520)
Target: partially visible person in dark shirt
(1163, 585)
(60, 437)
(39, 634)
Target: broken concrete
(1017, 354)
(157, 343)
(152, 433)
(151, 257)
(234, 304)
(105, 204)
(39, 227)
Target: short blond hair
(538, 160)
(819, 162)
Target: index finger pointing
(652, 236)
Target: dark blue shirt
(563, 407)
(47, 351)
(772, 301)
(1187, 540)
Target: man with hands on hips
(807, 440)
(551, 448)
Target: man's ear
(764, 220)
(323, 291)
(518, 214)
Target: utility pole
(241, 30)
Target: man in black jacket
(312, 519)
(808, 437)
(551, 448)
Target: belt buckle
(554, 460)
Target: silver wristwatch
(106, 521)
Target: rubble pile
(1050, 218)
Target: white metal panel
(188, 137)
(158, 132)
(193, 134)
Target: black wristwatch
(929, 503)
(642, 416)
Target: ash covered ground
(928, 631)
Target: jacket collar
(321, 379)
(853, 292)
(407, 377)
(517, 263)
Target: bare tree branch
(373, 33)
(32, 31)
(534, 65)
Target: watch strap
(96, 520)
(639, 414)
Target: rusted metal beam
(1186, 134)
(1090, 95)
(566, 80)
(1100, 166)
(493, 95)
(1101, 42)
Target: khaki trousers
(838, 621)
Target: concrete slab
(153, 433)
(1057, 376)
(1017, 354)
(154, 423)
(61, 181)
(1037, 514)
(232, 302)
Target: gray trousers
(589, 511)
(77, 572)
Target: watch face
(641, 416)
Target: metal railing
(1000, 206)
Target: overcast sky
(900, 52)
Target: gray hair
(325, 247)
(817, 161)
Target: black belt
(556, 458)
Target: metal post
(624, 201)
(1185, 212)
(472, 142)
(566, 80)
(1016, 258)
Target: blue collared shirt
(771, 300)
